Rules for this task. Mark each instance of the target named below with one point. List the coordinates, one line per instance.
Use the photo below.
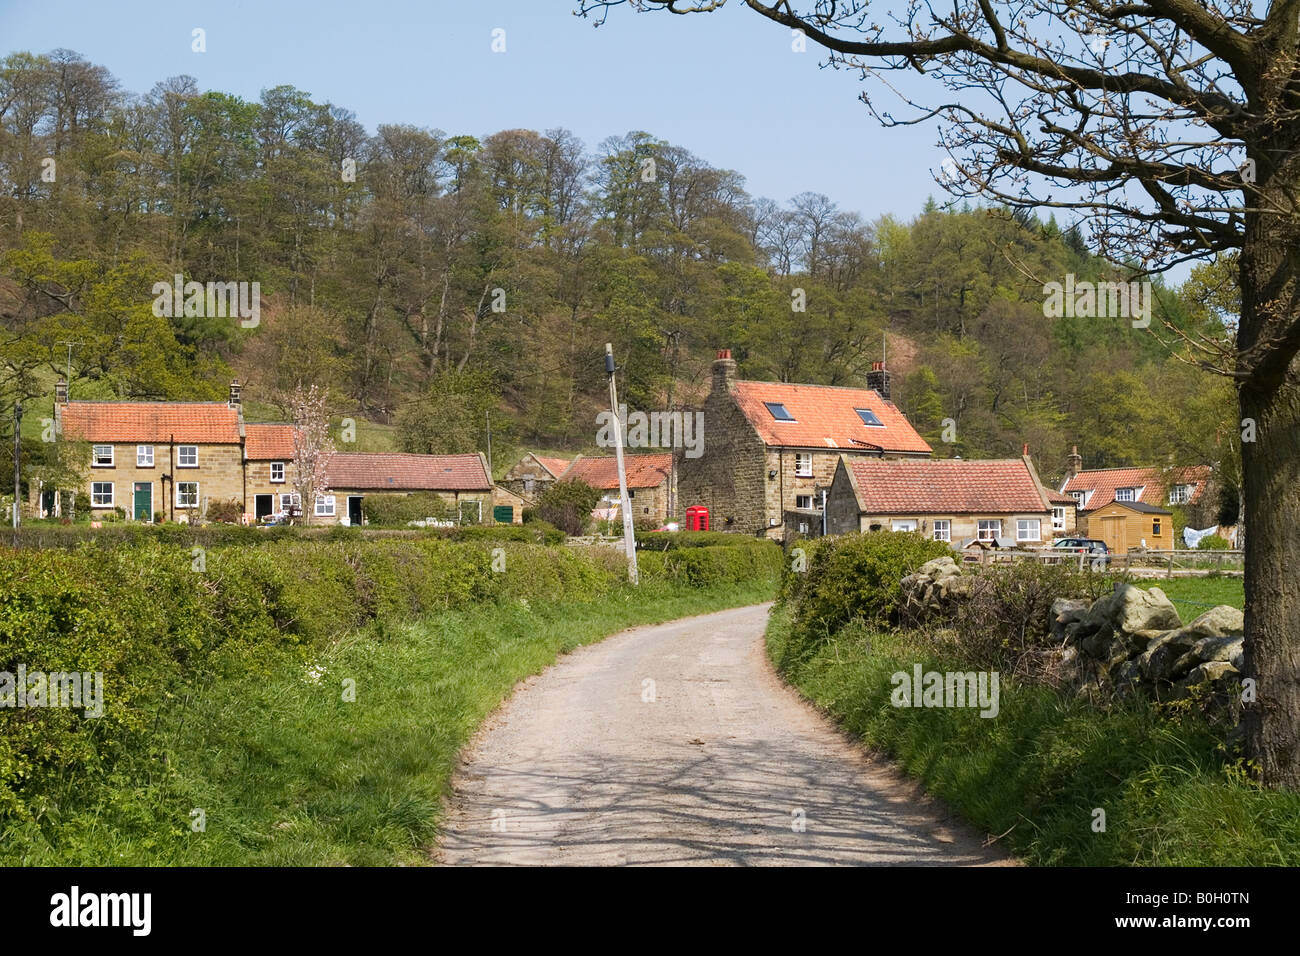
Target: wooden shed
(1124, 525)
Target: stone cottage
(949, 500)
(771, 448)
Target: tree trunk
(1270, 399)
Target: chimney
(60, 392)
(724, 371)
(1024, 450)
(1075, 462)
(878, 379)
(234, 394)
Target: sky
(726, 86)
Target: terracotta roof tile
(408, 473)
(826, 417)
(946, 486)
(555, 466)
(643, 471)
(201, 423)
(1102, 482)
(268, 442)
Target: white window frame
(294, 501)
(909, 524)
(95, 456)
(803, 464)
(811, 499)
(1058, 517)
(1181, 494)
(144, 456)
(180, 502)
(180, 456)
(112, 495)
(1126, 494)
(981, 532)
(1081, 497)
(274, 466)
(322, 502)
(942, 529)
(1023, 526)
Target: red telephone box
(697, 518)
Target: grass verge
(1037, 772)
(285, 771)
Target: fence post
(1170, 573)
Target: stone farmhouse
(533, 474)
(771, 449)
(999, 501)
(649, 482)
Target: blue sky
(726, 86)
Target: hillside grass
(1034, 774)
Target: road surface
(677, 744)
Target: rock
(939, 567)
(1130, 609)
(1209, 649)
(1065, 611)
(1097, 644)
(1220, 621)
(1211, 671)
(1162, 654)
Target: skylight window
(779, 411)
(869, 417)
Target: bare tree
(1173, 126)
(312, 447)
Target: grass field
(1194, 596)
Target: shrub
(396, 511)
(1008, 614)
(1213, 542)
(225, 512)
(568, 505)
(855, 577)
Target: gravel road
(714, 763)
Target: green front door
(144, 501)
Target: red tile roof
(826, 417)
(946, 486)
(268, 442)
(1102, 482)
(643, 471)
(555, 466)
(1060, 498)
(199, 423)
(408, 473)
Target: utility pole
(18, 452)
(488, 415)
(625, 503)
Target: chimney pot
(60, 392)
(724, 371)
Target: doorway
(143, 508)
(263, 506)
(354, 511)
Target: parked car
(1092, 546)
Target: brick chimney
(724, 371)
(1074, 462)
(235, 390)
(60, 392)
(878, 379)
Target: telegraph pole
(625, 503)
(18, 452)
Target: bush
(1213, 542)
(568, 505)
(397, 511)
(855, 578)
(670, 540)
(225, 512)
(1008, 614)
